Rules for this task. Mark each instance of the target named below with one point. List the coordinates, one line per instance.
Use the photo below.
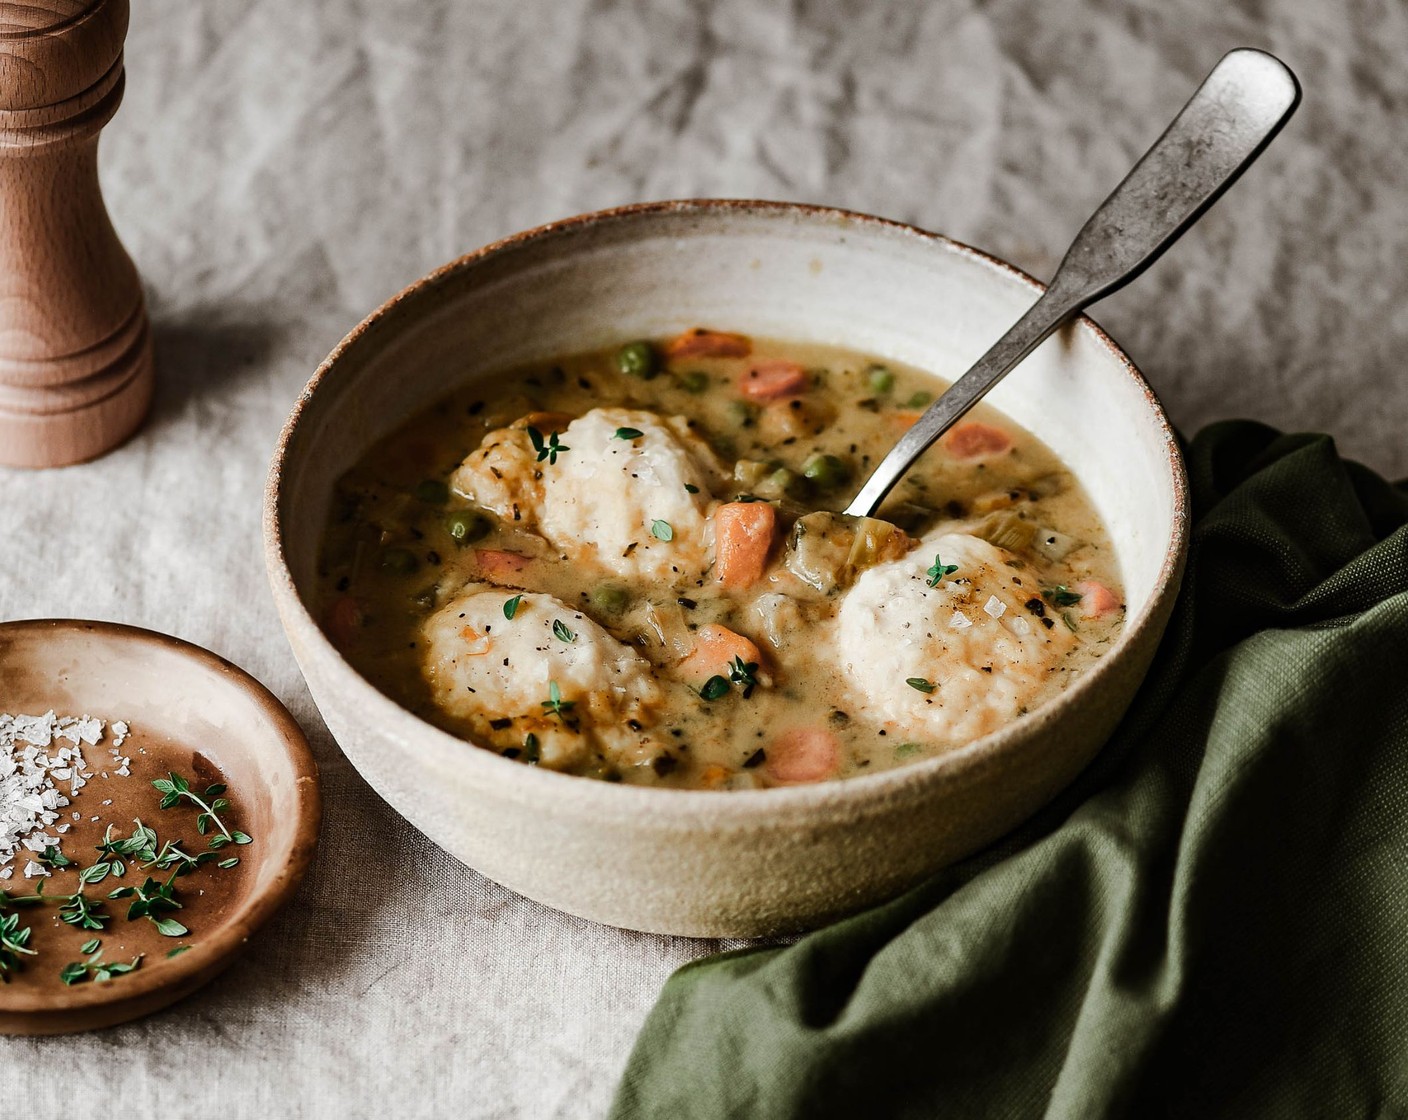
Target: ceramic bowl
(740, 863)
(191, 712)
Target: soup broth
(620, 565)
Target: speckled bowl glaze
(741, 863)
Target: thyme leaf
(714, 688)
(938, 570)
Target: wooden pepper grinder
(75, 345)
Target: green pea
(696, 381)
(399, 561)
(466, 526)
(742, 413)
(827, 471)
(638, 359)
(609, 598)
(782, 483)
(880, 379)
(433, 492)
(920, 399)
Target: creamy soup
(622, 565)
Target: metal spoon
(1234, 114)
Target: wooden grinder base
(75, 345)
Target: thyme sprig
(938, 570)
(556, 705)
(744, 674)
(548, 450)
(14, 943)
(95, 967)
(151, 900)
(175, 788)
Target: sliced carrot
(771, 380)
(714, 775)
(344, 618)
(803, 754)
(975, 440)
(905, 418)
(701, 343)
(1096, 599)
(743, 537)
(715, 648)
(496, 566)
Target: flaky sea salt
(959, 621)
(38, 756)
(995, 607)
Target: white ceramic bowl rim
(691, 808)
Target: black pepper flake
(1036, 606)
(839, 716)
(635, 724)
(665, 764)
(757, 758)
(500, 724)
(1048, 622)
(512, 752)
(687, 604)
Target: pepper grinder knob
(75, 344)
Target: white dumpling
(606, 500)
(987, 657)
(488, 669)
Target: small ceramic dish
(740, 863)
(188, 711)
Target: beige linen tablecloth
(282, 166)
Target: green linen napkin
(1213, 920)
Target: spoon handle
(1226, 124)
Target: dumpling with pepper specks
(630, 491)
(499, 675)
(950, 662)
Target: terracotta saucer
(187, 711)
